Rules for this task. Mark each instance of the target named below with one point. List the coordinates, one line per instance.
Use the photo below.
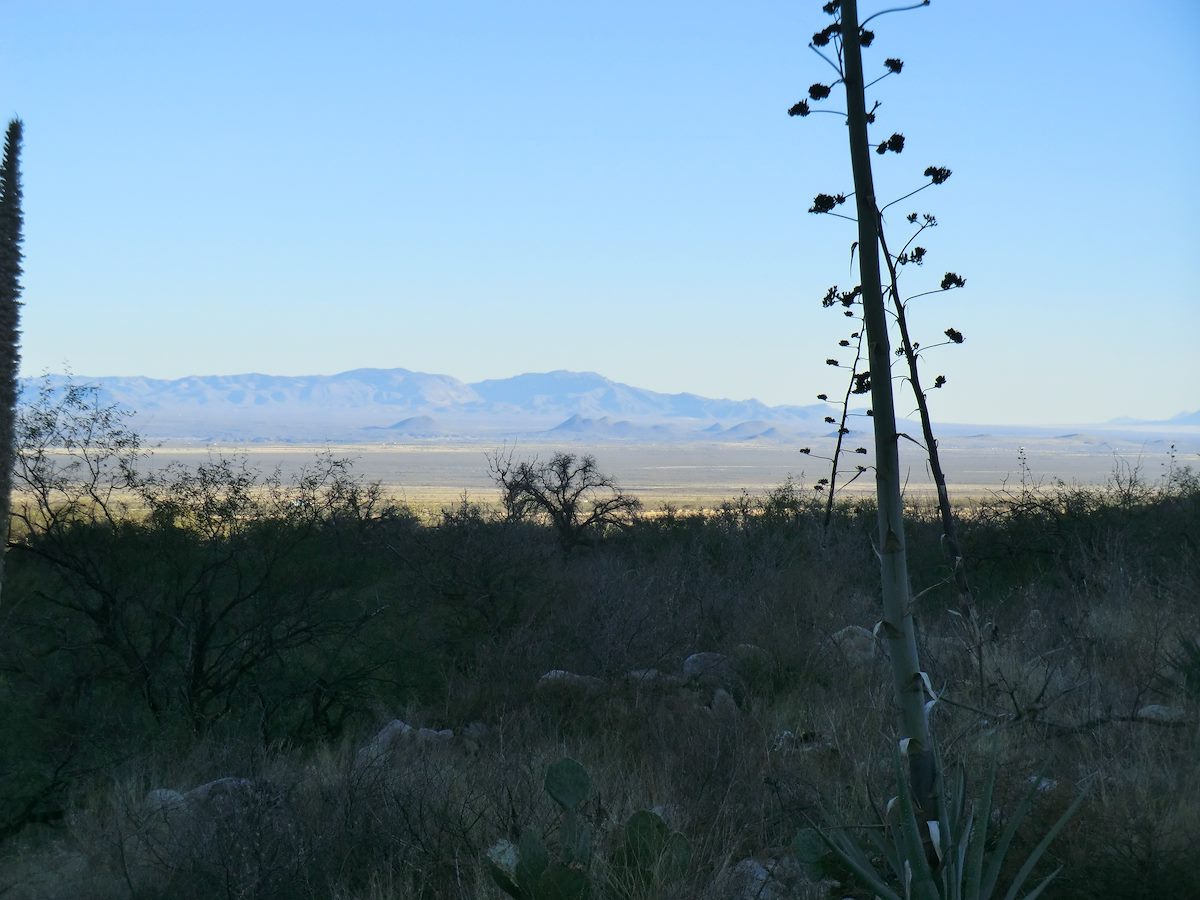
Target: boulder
(857, 645)
(163, 800)
(235, 830)
(429, 736)
(379, 749)
(769, 878)
(710, 670)
(567, 687)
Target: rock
(428, 736)
(1042, 785)
(788, 742)
(857, 645)
(380, 748)
(232, 830)
(765, 879)
(714, 670)
(163, 800)
(564, 686)
(1163, 715)
(396, 734)
(710, 669)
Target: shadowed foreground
(263, 689)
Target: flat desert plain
(701, 474)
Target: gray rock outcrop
(563, 686)
(857, 645)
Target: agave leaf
(960, 861)
(977, 841)
(997, 858)
(1037, 891)
(1043, 844)
(888, 850)
(951, 834)
(851, 854)
(913, 849)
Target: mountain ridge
(360, 404)
(397, 404)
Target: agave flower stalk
(897, 624)
(10, 316)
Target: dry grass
(1085, 622)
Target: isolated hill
(413, 426)
(605, 429)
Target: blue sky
(481, 189)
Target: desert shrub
(470, 609)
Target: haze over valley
(428, 435)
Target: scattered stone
(237, 829)
(380, 748)
(163, 800)
(1043, 785)
(428, 736)
(857, 645)
(765, 879)
(1163, 715)
(564, 686)
(788, 741)
(710, 669)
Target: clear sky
(481, 189)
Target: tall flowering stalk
(11, 221)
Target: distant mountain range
(401, 406)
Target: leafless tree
(569, 493)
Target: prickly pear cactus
(650, 853)
(567, 783)
(528, 870)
